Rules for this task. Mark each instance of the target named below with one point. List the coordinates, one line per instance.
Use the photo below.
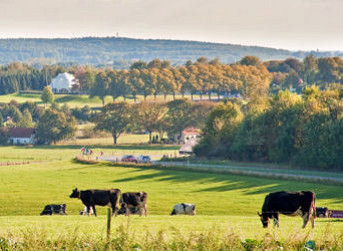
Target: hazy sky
(289, 24)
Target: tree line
(248, 77)
(301, 130)
(56, 123)
(152, 117)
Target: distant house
(63, 83)
(189, 133)
(22, 136)
(187, 148)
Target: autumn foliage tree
(115, 118)
(151, 117)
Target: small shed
(63, 83)
(22, 136)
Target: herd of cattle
(300, 203)
(131, 203)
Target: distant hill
(121, 52)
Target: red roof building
(190, 133)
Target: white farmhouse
(22, 136)
(63, 83)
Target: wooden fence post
(109, 217)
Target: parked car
(129, 158)
(144, 159)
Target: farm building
(22, 136)
(63, 83)
(189, 133)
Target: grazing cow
(93, 197)
(54, 209)
(288, 203)
(183, 208)
(84, 211)
(138, 201)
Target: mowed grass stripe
(25, 189)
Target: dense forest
(119, 53)
(304, 130)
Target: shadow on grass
(332, 220)
(75, 98)
(228, 182)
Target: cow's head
(75, 193)
(264, 219)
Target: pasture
(82, 100)
(226, 204)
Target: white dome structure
(62, 83)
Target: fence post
(109, 217)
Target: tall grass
(212, 239)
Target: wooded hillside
(121, 52)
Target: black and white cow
(91, 198)
(132, 202)
(183, 208)
(300, 203)
(54, 209)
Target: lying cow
(183, 208)
(84, 211)
(322, 212)
(134, 200)
(54, 209)
(288, 203)
(93, 197)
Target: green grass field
(71, 100)
(225, 203)
(82, 100)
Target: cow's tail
(120, 197)
(143, 196)
(119, 194)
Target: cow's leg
(114, 210)
(146, 210)
(306, 219)
(88, 209)
(276, 220)
(127, 210)
(94, 211)
(312, 218)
